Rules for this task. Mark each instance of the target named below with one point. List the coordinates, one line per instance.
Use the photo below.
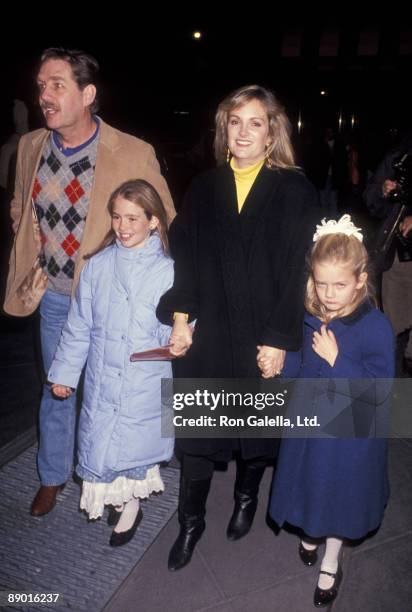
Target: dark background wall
(152, 69)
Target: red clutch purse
(158, 354)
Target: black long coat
(241, 276)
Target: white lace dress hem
(96, 495)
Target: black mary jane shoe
(325, 597)
(308, 557)
(123, 537)
(113, 516)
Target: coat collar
(259, 195)
(153, 247)
(363, 309)
(108, 137)
(38, 140)
(257, 198)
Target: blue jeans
(57, 417)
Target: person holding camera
(391, 186)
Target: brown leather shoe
(45, 499)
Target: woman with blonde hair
(239, 247)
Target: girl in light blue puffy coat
(113, 315)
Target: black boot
(248, 478)
(192, 509)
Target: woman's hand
(181, 336)
(406, 225)
(61, 391)
(270, 360)
(387, 187)
(324, 344)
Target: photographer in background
(391, 186)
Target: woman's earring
(228, 155)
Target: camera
(403, 176)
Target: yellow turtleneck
(244, 178)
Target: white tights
(329, 561)
(129, 512)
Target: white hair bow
(343, 226)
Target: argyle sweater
(61, 196)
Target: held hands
(324, 344)
(61, 391)
(181, 336)
(270, 360)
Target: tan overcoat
(120, 157)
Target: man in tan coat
(64, 177)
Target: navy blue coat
(338, 486)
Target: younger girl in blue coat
(335, 488)
(113, 315)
